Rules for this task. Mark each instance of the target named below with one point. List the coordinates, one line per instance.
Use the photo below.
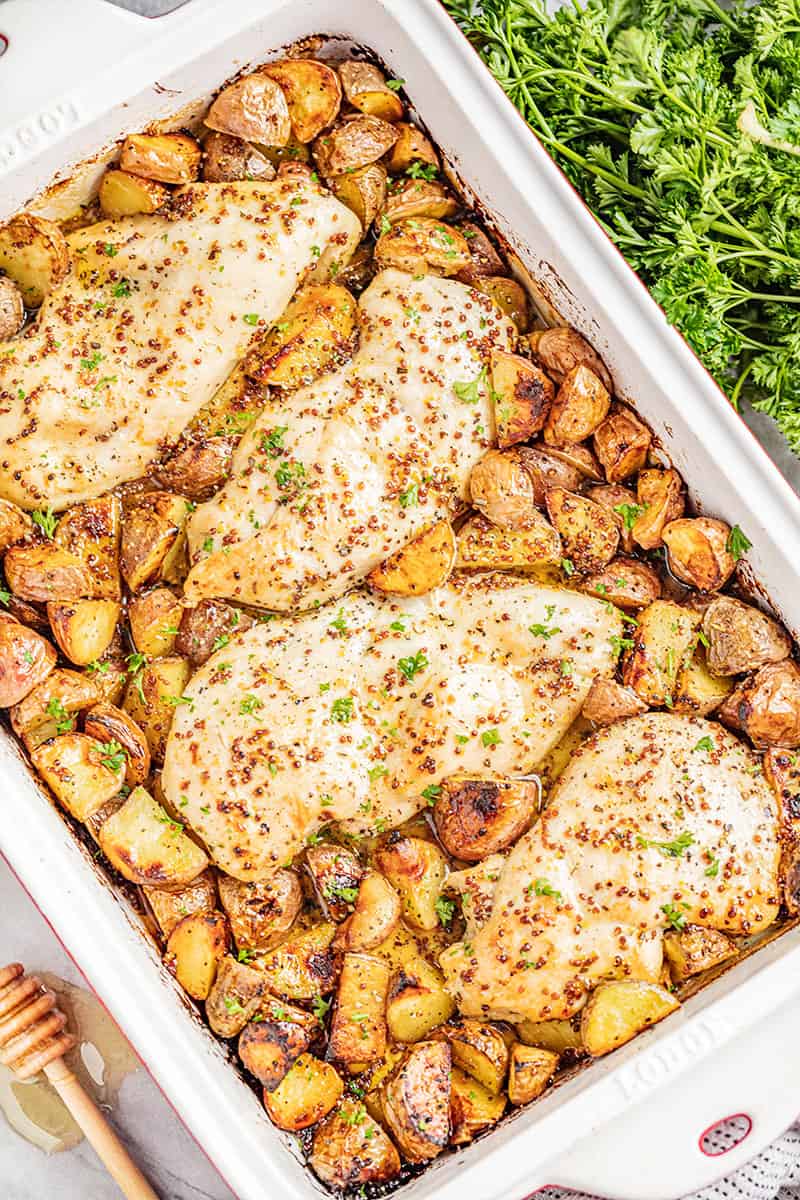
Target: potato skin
(335, 874)
(622, 505)
(561, 349)
(165, 157)
(261, 914)
(170, 907)
(269, 1047)
(26, 659)
(358, 1028)
(507, 295)
(418, 198)
(236, 995)
(206, 628)
(46, 572)
(198, 469)
(484, 259)
(416, 1101)
(147, 847)
(589, 534)
(422, 246)
(73, 766)
(365, 88)
(622, 443)
(194, 949)
(410, 146)
(697, 552)
(417, 869)
(91, 531)
(483, 546)
(349, 1149)
(154, 618)
(15, 524)
(353, 143)
(12, 312)
(376, 914)
(83, 629)
(71, 691)
(609, 701)
(107, 723)
(363, 191)
(580, 406)
(523, 397)
(663, 641)
(150, 531)
(227, 159)
(547, 469)
(472, 1108)
(502, 490)
(478, 817)
(660, 496)
(123, 194)
(35, 255)
(741, 638)
(418, 1002)
(530, 1071)
(693, 949)
(315, 334)
(627, 582)
(313, 94)
(253, 108)
(767, 706)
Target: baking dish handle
(669, 1145)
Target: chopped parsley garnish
(122, 289)
(114, 755)
(422, 170)
(244, 955)
(410, 497)
(250, 704)
(250, 318)
(674, 849)
(737, 544)
(468, 391)
(342, 710)
(232, 1004)
(394, 85)
(630, 513)
(46, 520)
(339, 624)
(319, 1008)
(541, 887)
(705, 743)
(411, 666)
(618, 644)
(272, 441)
(445, 909)
(567, 566)
(491, 737)
(674, 916)
(432, 792)
(385, 225)
(56, 710)
(335, 891)
(712, 870)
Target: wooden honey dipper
(34, 1037)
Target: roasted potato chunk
(198, 469)
(507, 295)
(170, 907)
(15, 525)
(91, 531)
(478, 817)
(409, 198)
(472, 1108)
(165, 157)
(303, 966)
(254, 108)
(693, 949)
(154, 619)
(229, 159)
(150, 531)
(522, 397)
(530, 1071)
(622, 443)
(621, 503)
(353, 143)
(617, 1011)
(766, 706)
(358, 1029)
(626, 582)
(80, 773)
(125, 195)
(609, 701)
(208, 627)
(270, 1046)
(236, 995)
(422, 246)
(46, 572)
(697, 691)
(152, 696)
(482, 546)
(112, 727)
(376, 914)
(741, 638)
(561, 349)
(580, 406)
(12, 314)
(664, 641)
(83, 629)
(363, 191)
(306, 1094)
(421, 566)
(558, 1036)
(313, 94)
(335, 873)
(411, 145)
(418, 1002)
(26, 659)
(502, 489)
(548, 469)
(146, 846)
(416, 1101)
(659, 495)
(588, 533)
(195, 948)
(484, 259)
(365, 88)
(480, 1050)
(315, 334)
(35, 255)
(416, 868)
(349, 1149)
(261, 914)
(50, 707)
(697, 552)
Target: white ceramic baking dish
(75, 78)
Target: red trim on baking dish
(82, 972)
(3, 44)
(726, 1149)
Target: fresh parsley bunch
(679, 123)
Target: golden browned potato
(766, 706)
(199, 468)
(125, 195)
(335, 874)
(358, 1029)
(416, 1101)
(422, 246)
(312, 92)
(484, 259)
(83, 629)
(170, 907)
(110, 725)
(502, 489)
(530, 1070)
(165, 157)
(659, 495)
(478, 817)
(363, 191)
(26, 659)
(82, 775)
(32, 615)
(561, 349)
(91, 531)
(472, 1108)
(146, 846)
(15, 525)
(417, 869)
(697, 552)
(622, 443)
(261, 914)
(350, 1149)
(303, 966)
(588, 533)
(421, 566)
(693, 949)
(522, 396)
(150, 531)
(410, 146)
(741, 638)
(609, 701)
(232, 409)
(227, 159)
(483, 546)
(12, 313)
(109, 675)
(410, 198)
(617, 1011)
(663, 641)
(195, 948)
(580, 406)
(581, 458)
(418, 1001)
(626, 582)
(548, 469)
(697, 690)
(376, 914)
(315, 334)
(365, 88)
(152, 695)
(236, 996)
(50, 708)
(508, 295)
(35, 255)
(621, 503)
(558, 1036)
(154, 619)
(46, 572)
(480, 1050)
(269, 1046)
(254, 108)
(353, 143)
(208, 627)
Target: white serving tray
(74, 78)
